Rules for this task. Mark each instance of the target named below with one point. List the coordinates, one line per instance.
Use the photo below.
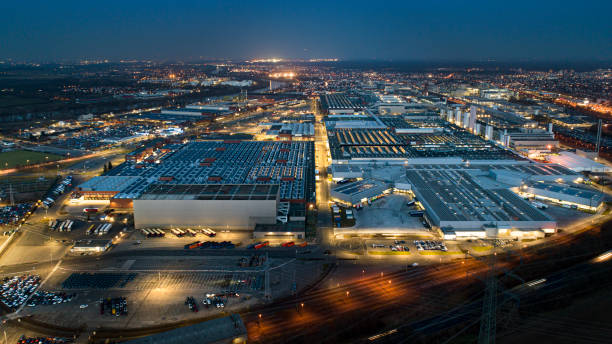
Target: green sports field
(23, 157)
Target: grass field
(481, 248)
(438, 253)
(22, 157)
(390, 253)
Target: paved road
(324, 218)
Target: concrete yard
(157, 291)
(387, 215)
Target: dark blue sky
(399, 30)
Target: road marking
(39, 286)
(128, 264)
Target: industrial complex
(219, 184)
(356, 186)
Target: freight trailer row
(61, 226)
(100, 229)
(152, 232)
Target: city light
(282, 75)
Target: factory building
(91, 246)
(211, 183)
(472, 121)
(489, 132)
(104, 188)
(353, 122)
(360, 191)
(457, 203)
(424, 146)
(531, 141)
(288, 131)
(565, 195)
(218, 206)
(338, 104)
(578, 163)
(288, 164)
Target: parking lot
(155, 289)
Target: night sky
(384, 30)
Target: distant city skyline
(347, 30)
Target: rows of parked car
(49, 298)
(14, 214)
(92, 138)
(398, 245)
(49, 198)
(114, 306)
(43, 340)
(16, 290)
(430, 245)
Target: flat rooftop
(578, 163)
(569, 190)
(290, 165)
(210, 192)
(346, 144)
(360, 187)
(336, 101)
(109, 183)
(453, 195)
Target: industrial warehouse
(564, 195)
(359, 192)
(338, 104)
(386, 145)
(238, 207)
(468, 200)
(460, 206)
(235, 184)
(464, 185)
